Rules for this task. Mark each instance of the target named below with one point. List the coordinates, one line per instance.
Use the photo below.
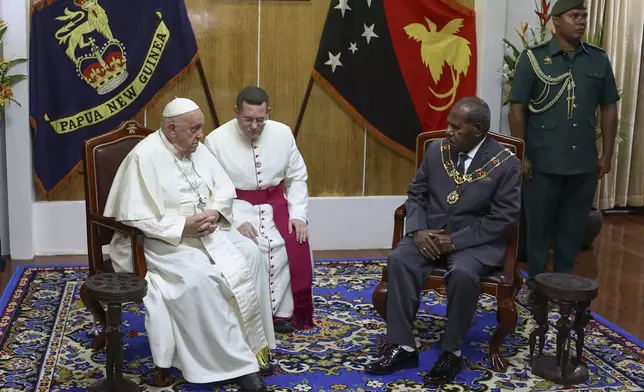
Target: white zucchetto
(179, 106)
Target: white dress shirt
(469, 156)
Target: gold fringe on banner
(40, 5)
(456, 6)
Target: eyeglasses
(250, 120)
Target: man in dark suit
(462, 202)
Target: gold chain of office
(568, 84)
(460, 178)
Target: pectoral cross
(201, 205)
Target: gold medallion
(452, 197)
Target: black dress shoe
(267, 370)
(395, 358)
(385, 347)
(283, 326)
(445, 369)
(252, 383)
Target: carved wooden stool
(115, 289)
(573, 294)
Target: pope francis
(208, 312)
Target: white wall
(517, 11)
(490, 30)
(4, 207)
(20, 192)
(48, 228)
(4, 203)
(336, 223)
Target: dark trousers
(556, 211)
(408, 270)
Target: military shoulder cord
(569, 84)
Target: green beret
(567, 5)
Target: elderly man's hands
(444, 243)
(433, 243)
(424, 240)
(201, 224)
(248, 231)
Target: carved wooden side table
(573, 295)
(115, 289)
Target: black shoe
(267, 370)
(283, 326)
(385, 347)
(395, 358)
(252, 383)
(444, 370)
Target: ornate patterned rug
(44, 344)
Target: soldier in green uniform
(557, 88)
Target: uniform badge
(547, 60)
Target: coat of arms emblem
(103, 66)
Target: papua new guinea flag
(398, 66)
(94, 64)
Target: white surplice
(260, 164)
(206, 307)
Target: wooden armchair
(102, 156)
(503, 283)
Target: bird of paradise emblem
(438, 48)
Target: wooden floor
(616, 262)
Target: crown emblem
(103, 67)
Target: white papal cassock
(270, 161)
(207, 311)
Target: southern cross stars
(343, 5)
(368, 32)
(334, 61)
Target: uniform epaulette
(541, 45)
(593, 46)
